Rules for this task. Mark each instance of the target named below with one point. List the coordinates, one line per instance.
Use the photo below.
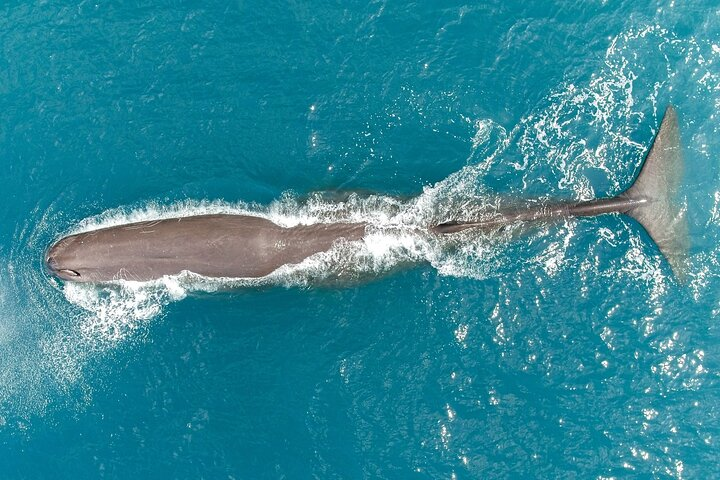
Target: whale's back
(237, 246)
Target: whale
(246, 246)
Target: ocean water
(566, 350)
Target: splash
(396, 236)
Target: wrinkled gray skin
(211, 245)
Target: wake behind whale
(250, 247)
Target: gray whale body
(220, 245)
(242, 246)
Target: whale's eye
(72, 273)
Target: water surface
(564, 351)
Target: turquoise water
(564, 351)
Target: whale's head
(66, 260)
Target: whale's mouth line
(69, 272)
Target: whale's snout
(50, 263)
(58, 262)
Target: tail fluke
(655, 190)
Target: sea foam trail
(396, 235)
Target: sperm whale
(243, 246)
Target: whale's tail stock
(651, 200)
